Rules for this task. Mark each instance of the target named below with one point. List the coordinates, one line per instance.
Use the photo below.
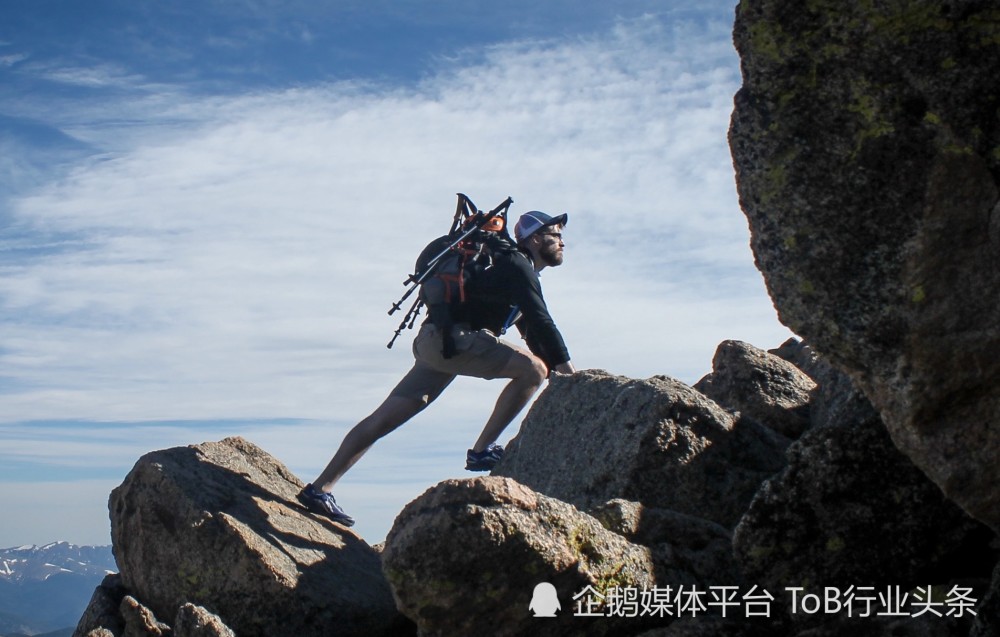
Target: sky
(207, 209)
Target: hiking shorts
(479, 353)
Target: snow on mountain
(38, 563)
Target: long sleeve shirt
(512, 282)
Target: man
(509, 288)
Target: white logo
(545, 601)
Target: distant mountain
(46, 588)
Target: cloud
(13, 59)
(217, 267)
(233, 257)
(95, 76)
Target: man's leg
(527, 373)
(392, 413)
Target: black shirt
(511, 282)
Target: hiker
(511, 282)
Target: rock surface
(195, 621)
(217, 525)
(593, 437)
(685, 549)
(469, 553)
(851, 510)
(835, 400)
(867, 152)
(758, 384)
(102, 613)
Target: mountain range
(46, 588)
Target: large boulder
(465, 558)
(760, 385)
(592, 437)
(851, 510)
(217, 525)
(867, 151)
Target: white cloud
(13, 58)
(100, 75)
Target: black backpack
(446, 267)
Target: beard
(551, 255)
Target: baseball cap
(531, 222)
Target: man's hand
(564, 368)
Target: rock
(760, 385)
(851, 510)
(217, 525)
(867, 153)
(102, 614)
(468, 554)
(592, 437)
(835, 400)
(804, 357)
(987, 622)
(714, 627)
(926, 625)
(684, 549)
(140, 621)
(195, 621)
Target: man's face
(549, 245)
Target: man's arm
(536, 324)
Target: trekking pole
(410, 318)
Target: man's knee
(535, 371)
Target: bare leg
(392, 413)
(527, 373)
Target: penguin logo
(545, 601)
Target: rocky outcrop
(112, 612)
(211, 542)
(867, 152)
(217, 525)
(593, 437)
(758, 384)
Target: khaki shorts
(478, 353)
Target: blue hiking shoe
(485, 459)
(324, 504)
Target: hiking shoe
(485, 459)
(324, 504)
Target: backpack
(448, 265)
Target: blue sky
(207, 208)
